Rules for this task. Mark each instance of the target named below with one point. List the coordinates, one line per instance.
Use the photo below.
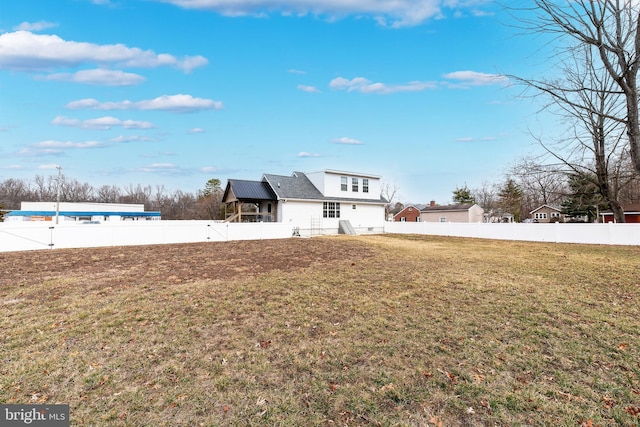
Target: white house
(321, 200)
(73, 211)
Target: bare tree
(12, 192)
(541, 184)
(610, 30)
(389, 193)
(107, 194)
(44, 188)
(591, 107)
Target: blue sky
(175, 92)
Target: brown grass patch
(372, 330)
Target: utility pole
(58, 192)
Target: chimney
(432, 203)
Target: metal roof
(249, 190)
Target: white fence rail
(22, 236)
(604, 234)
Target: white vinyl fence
(604, 234)
(22, 236)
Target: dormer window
(343, 183)
(365, 185)
(354, 185)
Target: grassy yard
(371, 330)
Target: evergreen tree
(463, 195)
(584, 198)
(511, 199)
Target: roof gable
(297, 186)
(248, 190)
(542, 207)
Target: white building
(70, 211)
(324, 200)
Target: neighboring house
(546, 214)
(410, 213)
(631, 214)
(308, 200)
(73, 211)
(464, 212)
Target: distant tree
(541, 184)
(210, 200)
(389, 193)
(2, 213)
(397, 208)
(510, 199)
(584, 199)
(463, 195)
(108, 194)
(14, 191)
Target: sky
(175, 92)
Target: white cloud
(55, 148)
(310, 89)
(360, 84)
(26, 51)
(393, 13)
(474, 78)
(303, 154)
(163, 169)
(196, 130)
(131, 138)
(67, 144)
(101, 123)
(175, 103)
(11, 167)
(294, 71)
(99, 76)
(35, 26)
(347, 141)
(48, 166)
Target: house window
(403, 219)
(443, 219)
(418, 219)
(365, 185)
(330, 210)
(354, 185)
(343, 183)
(353, 207)
(541, 215)
(555, 215)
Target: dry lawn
(336, 331)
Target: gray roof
(450, 208)
(296, 186)
(249, 190)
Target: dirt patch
(176, 263)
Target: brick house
(410, 213)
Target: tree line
(205, 204)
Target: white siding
(329, 184)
